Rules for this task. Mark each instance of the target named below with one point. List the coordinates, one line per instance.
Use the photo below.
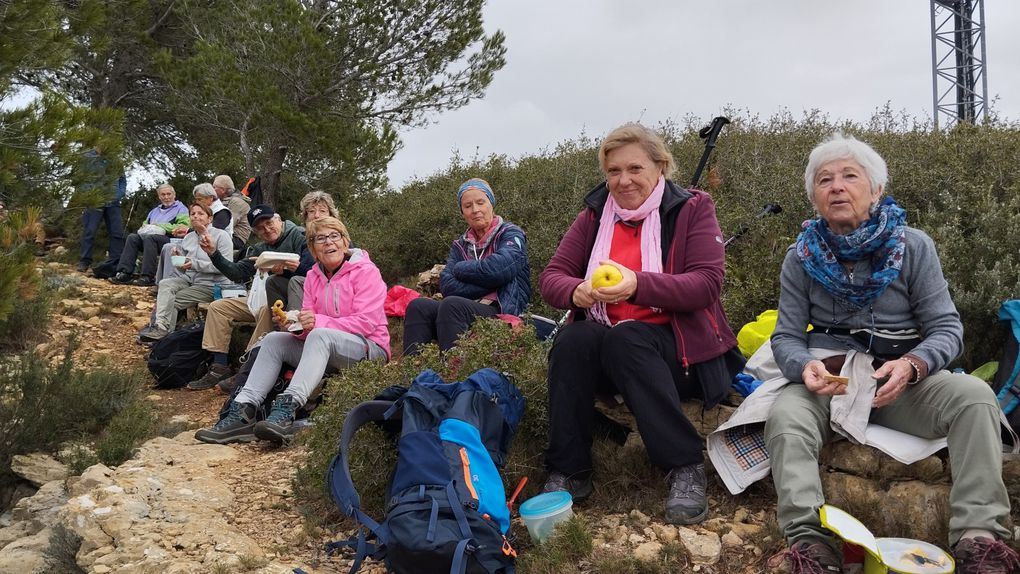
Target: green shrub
(489, 343)
(42, 405)
(962, 187)
(23, 306)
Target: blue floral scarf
(880, 239)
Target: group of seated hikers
(871, 286)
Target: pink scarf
(651, 236)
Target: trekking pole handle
(709, 133)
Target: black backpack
(446, 510)
(178, 358)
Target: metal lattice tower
(959, 78)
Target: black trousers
(636, 359)
(150, 245)
(443, 321)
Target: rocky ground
(182, 506)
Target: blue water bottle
(217, 292)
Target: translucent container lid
(546, 504)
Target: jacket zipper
(676, 322)
(715, 324)
(466, 463)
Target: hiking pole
(708, 133)
(766, 210)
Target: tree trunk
(271, 175)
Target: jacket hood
(672, 197)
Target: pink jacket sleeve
(367, 292)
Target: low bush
(42, 406)
(489, 343)
(960, 186)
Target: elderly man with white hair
(239, 206)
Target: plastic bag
(257, 294)
(397, 300)
(151, 229)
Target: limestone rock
(38, 468)
(704, 548)
(871, 463)
(43, 506)
(731, 539)
(648, 551)
(17, 531)
(97, 475)
(27, 555)
(911, 509)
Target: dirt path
(107, 317)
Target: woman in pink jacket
(341, 322)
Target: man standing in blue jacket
(95, 168)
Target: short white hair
(204, 190)
(838, 146)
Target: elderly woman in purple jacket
(657, 337)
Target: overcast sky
(587, 66)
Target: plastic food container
(905, 556)
(177, 260)
(543, 512)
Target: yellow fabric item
(755, 333)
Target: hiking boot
(686, 502)
(810, 557)
(143, 281)
(209, 380)
(226, 386)
(152, 333)
(120, 278)
(83, 266)
(985, 555)
(278, 427)
(579, 488)
(236, 426)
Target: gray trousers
(959, 407)
(178, 293)
(322, 348)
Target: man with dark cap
(276, 235)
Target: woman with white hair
(883, 318)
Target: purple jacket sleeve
(702, 258)
(568, 265)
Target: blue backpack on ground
(446, 507)
(1006, 383)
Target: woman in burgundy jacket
(657, 337)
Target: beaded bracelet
(917, 370)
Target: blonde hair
(322, 226)
(650, 142)
(313, 197)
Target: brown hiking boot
(809, 557)
(985, 556)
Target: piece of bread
(836, 379)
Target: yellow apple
(605, 276)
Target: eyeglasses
(331, 238)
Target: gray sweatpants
(959, 407)
(322, 348)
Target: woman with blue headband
(486, 274)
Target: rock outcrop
(161, 511)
